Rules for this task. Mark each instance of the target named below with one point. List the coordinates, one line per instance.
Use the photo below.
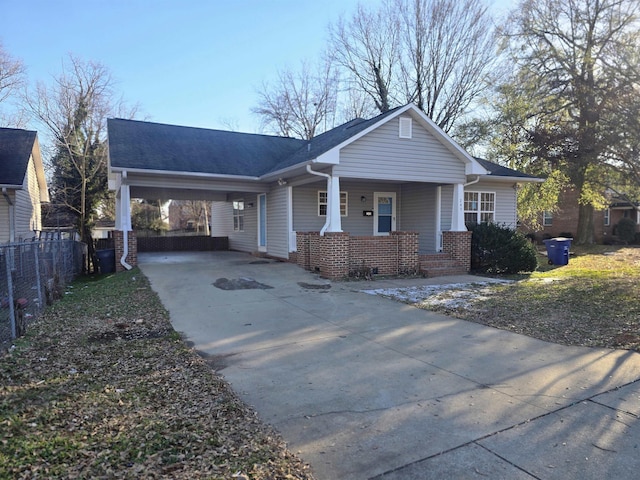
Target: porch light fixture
(282, 182)
(363, 199)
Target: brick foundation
(132, 255)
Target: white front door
(384, 213)
(262, 222)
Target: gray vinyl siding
(277, 228)
(221, 219)
(4, 217)
(305, 206)
(382, 154)
(27, 206)
(247, 240)
(447, 207)
(506, 201)
(418, 213)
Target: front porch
(338, 255)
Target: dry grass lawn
(593, 301)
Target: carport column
(457, 214)
(123, 236)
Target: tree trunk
(584, 235)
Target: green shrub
(498, 249)
(626, 230)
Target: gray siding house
(367, 179)
(23, 185)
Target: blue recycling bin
(558, 250)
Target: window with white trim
(607, 217)
(238, 215)
(322, 204)
(547, 218)
(479, 207)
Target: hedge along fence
(33, 275)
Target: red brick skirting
(339, 255)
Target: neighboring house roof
(146, 146)
(17, 147)
(15, 150)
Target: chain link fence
(32, 276)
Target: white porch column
(438, 219)
(457, 215)
(124, 223)
(333, 205)
(118, 211)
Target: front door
(384, 215)
(262, 222)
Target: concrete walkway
(362, 387)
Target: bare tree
(367, 47)
(12, 79)
(300, 104)
(73, 112)
(434, 53)
(448, 51)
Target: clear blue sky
(186, 62)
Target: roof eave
(184, 174)
(501, 178)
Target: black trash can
(107, 260)
(558, 250)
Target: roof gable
(16, 147)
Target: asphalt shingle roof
(500, 171)
(153, 146)
(15, 150)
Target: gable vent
(405, 127)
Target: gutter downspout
(328, 177)
(125, 205)
(472, 181)
(12, 229)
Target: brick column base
(132, 254)
(458, 245)
(334, 255)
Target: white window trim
(478, 212)
(607, 217)
(345, 204)
(237, 214)
(547, 219)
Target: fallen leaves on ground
(102, 387)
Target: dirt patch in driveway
(239, 284)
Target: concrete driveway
(363, 387)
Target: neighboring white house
(23, 185)
(397, 172)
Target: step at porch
(439, 265)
